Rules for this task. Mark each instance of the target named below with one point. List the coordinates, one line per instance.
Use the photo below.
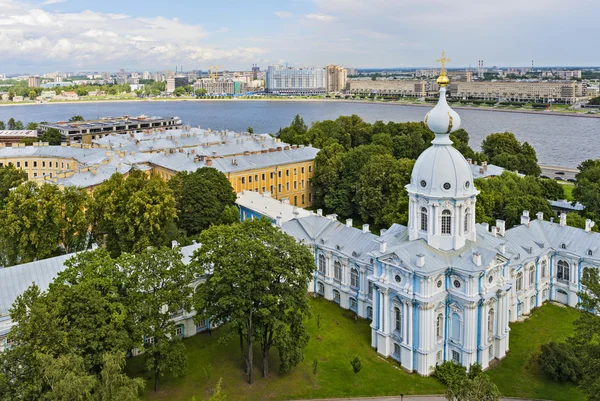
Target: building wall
(36, 166)
(416, 88)
(282, 80)
(542, 91)
(336, 78)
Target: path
(409, 398)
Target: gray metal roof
(566, 205)
(87, 156)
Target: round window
(423, 183)
(467, 184)
(397, 278)
(439, 283)
(447, 186)
(491, 279)
(457, 283)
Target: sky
(107, 35)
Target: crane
(214, 71)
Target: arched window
(590, 252)
(369, 312)
(563, 246)
(352, 303)
(544, 268)
(491, 322)
(439, 326)
(519, 281)
(456, 334)
(397, 319)
(354, 278)
(563, 272)
(321, 264)
(424, 219)
(321, 288)
(446, 222)
(532, 276)
(337, 267)
(336, 296)
(467, 220)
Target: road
(550, 171)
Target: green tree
(11, 124)
(73, 220)
(256, 278)
(250, 130)
(161, 290)
(179, 91)
(595, 101)
(130, 214)
(202, 198)
(587, 187)
(200, 92)
(32, 94)
(328, 171)
(32, 126)
(460, 385)
(2, 126)
(76, 118)
(559, 362)
(10, 177)
(52, 136)
(504, 150)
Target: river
(559, 140)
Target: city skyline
(40, 37)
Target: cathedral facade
(445, 288)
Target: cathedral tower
(441, 191)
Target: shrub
(559, 362)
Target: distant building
(539, 91)
(335, 78)
(221, 87)
(175, 82)
(296, 81)
(568, 74)
(9, 137)
(391, 87)
(34, 82)
(352, 71)
(146, 75)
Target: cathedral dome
(441, 171)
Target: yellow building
(543, 91)
(398, 87)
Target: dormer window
(563, 246)
(590, 252)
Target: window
(455, 356)
(590, 252)
(544, 266)
(370, 290)
(295, 200)
(264, 188)
(295, 184)
(532, 276)
(563, 246)
(302, 170)
(43, 164)
(287, 186)
(438, 356)
(18, 164)
(263, 176)
(35, 164)
(563, 272)
(491, 322)
(310, 197)
(287, 173)
(295, 171)
(446, 222)
(279, 173)
(439, 326)
(310, 169)
(532, 302)
(272, 188)
(62, 165)
(149, 340)
(243, 180)
(396, 349)
(26, 164)
(424, 219)
(272, 175)
(354, 278)
(322, 264)
(279, 188)
(303, 199)
(179, 331)
(397, 319)
(456, 328)
(352, 303)
(519, 281)
(256, 178)
(320, 288)
(249, 178)
(369, 312)
(337, 270)
(202, 325)
(336, 296)
(467, 220)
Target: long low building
(539, 91)
(388, 87)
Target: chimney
(588, 225)
(208, 162)
(382, 246)
(539, 215)
(525, 218)
(365, 228)
(494, 231)
(551, 219)
(503, 248)
(420, 260)
(486, 226)
(279, 221)
(501, 224)
(470, 161)
(174, 244)
(319, 212)
(348, 222)
(563, 219)
(484, 165)
(477, 258)
(382, 231)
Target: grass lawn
(340, 340)
(519, 375)
(568, 189)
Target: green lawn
(568, 189)
(340, 340)
(519, 375)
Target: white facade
(296, 81)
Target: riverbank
(395, 103)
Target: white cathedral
(445, 288)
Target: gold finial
(443, 78)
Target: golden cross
(443, 62)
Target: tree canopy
(504, 150)
(10, 177)
(256, 281)
(52, 136)
(587, 187)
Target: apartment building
(392, 87)
(538, 91)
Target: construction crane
(214, 71)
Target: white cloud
(31, 35)
(320, 17)
(54, 2)
(283, 14)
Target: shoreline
(395, 103)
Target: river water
(559, 140)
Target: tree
(504, 150)
(32, 126)
(250, 130)
(200, 92)
(460, 385)
(587, 187)
(2, 126)
(12, 124)
(161, 290)
(559, 362)
(256, 280)
(76, 118)
(356, 364)
(52, 136)
(328, 170)
(32, 94)
(595, 101)
(130, 214)
(10, 177)
(179, 91)
(202, 198)
(73, 220)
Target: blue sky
(75, 35)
